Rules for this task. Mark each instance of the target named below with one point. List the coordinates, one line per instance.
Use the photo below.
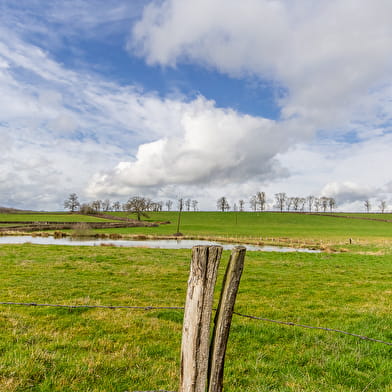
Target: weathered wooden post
(223, 318)
(197, 318)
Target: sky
(111, 99)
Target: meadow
(60, 349)
(273, 228)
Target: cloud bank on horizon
(110, 101)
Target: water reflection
(164, 244)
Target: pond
(164, 244)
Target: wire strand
(148, 308)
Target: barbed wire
(160, 390)
(148, 308)
(312, 327)
(95, 306)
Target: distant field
(267, 225)
(51, 349)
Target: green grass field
(311, 229)
(53, 349)
(267, 225)
(50, 349)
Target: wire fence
(160, 390)
(148, 308)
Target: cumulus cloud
(212, 146)
(120, 139)
(328, 55)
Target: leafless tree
(86, 209)
(331, 203)
(106, 205)
(324, 203)
(194, 205)
(188, 203)
(253, 203)
(261, 200)
(116, 206)
(382, 206)
(368, 205)
(96, 205)
(180, 204)
(138, 205)
(289, 202)
(241, 204)
(317, 204)
(155, 206)
(280, 199)
(310, 200)
(222, 204)
(72, 203)
(168, 204)
(296, 203)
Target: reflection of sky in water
(164, 244)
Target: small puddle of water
(164, 244)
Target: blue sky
(176, 98)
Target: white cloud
(211, 146)
(63, 131)
(328, 55)
(66, 130)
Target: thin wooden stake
(223, 318)
(197, 318)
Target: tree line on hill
(142, 205)
(283, 202)
(134, 205)
(257, 203)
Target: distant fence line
(149, 308)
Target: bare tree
(280, 199)
(289, 202)
(331, 203)
(96, 205)
(261, 200)
(241, 204)
(382, 206)
(324, 203)
(116, 206)
(72, 203)
(168, 204)
(180, 204)
(296, 203)
(155, 206)
(138, 205)
(253, 203)
(106, 205)
(310, 200)
(222, 204)
(317, 203)
(86, 209)
(194, 205)
(188, 203)
(368, 205)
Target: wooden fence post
(223, 318)
(197, 318)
